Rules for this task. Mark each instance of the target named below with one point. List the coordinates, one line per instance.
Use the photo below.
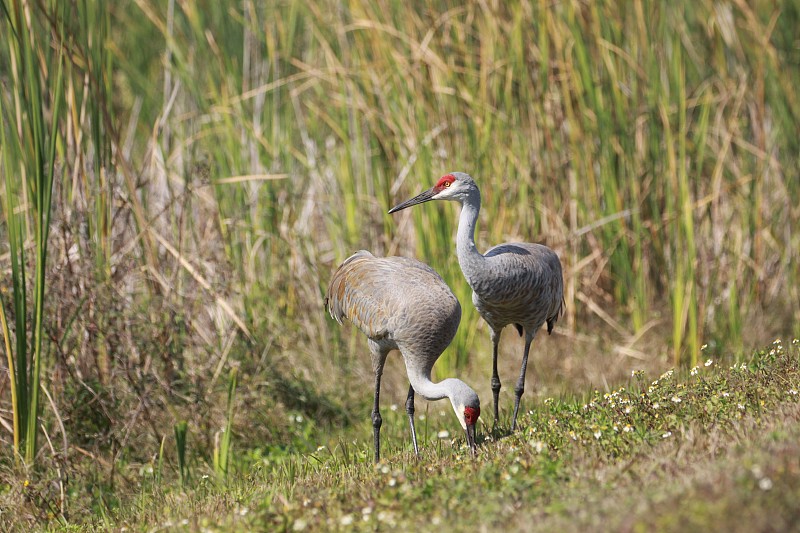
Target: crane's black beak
(420, 198)
(471, 439)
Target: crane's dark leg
(410, 411)
(520, 388)
(495, 375)
(376, 414)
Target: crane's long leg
(376, 414)
(410, 411)
(495, 375)
(520, 388)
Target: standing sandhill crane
(513, 283)
(402, 304)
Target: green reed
(30, 138)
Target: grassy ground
(715, 447)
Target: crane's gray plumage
(400, 303)
(513, 283)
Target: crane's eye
(445, 181)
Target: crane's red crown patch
(444, 182)
(471, 415)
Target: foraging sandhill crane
(513, 283)
(402, 304)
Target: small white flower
(538, 446)
(384, 469)
(393, 407)
(392, 482)
(598, 434)
(299, 525)
(243, 511)
(793, 392)
(321, 447)
(675, 399)
(694, 371)
(765, 483)
(628, 410)
(666, 435)
(627, 428)
(443, 434)
(703, 347)
(740, 406)
(346, 520)
(709, 362)
(656, 405)
(725, 394)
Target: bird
(402, 304)
(512, 283)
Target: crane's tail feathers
(335, 300)
(551, 322)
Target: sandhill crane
(402, 304)
(513, 283)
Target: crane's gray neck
(420, 379)
(459, 393)
(469, 258)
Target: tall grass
(222, 445)
(628, 139)
(30, 139)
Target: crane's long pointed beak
(471, 439)
(420, 198)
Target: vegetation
(180, 178)
(712, 447)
